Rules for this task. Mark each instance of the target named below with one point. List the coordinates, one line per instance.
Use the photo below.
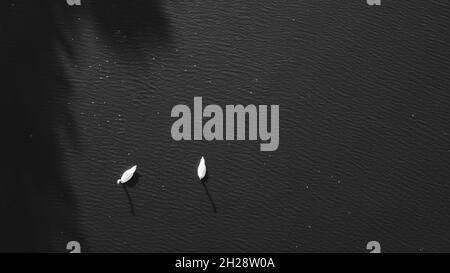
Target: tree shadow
(134, 20)
(37, 205)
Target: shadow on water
(137, 20)
(213, 205)
(131, 184)
(130, 201)
(37, 205)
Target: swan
(127, 175)
(201, 170)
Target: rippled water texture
(364, 126)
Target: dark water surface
(364, 126)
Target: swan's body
(201, 170)
(127, 175)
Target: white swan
(127, 175)
(201, 170)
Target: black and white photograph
(221, 127)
